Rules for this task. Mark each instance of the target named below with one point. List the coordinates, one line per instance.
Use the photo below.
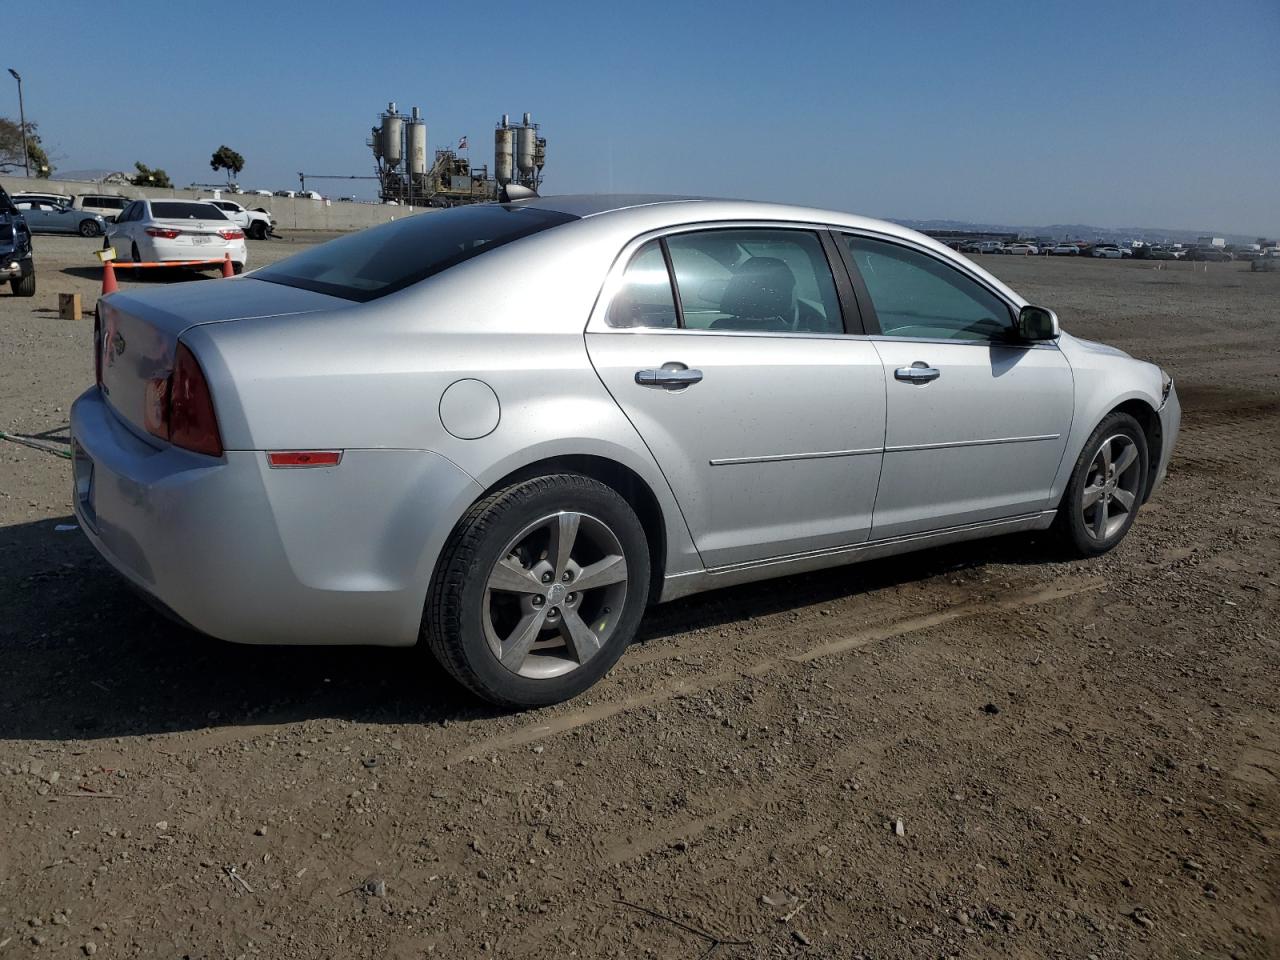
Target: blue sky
(1119, 114)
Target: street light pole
(22, 119)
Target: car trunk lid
(137, 332)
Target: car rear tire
(503, 615)
(24, 286)
(1106, 487)
(89, 228)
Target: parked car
(1022, 249)
(257, 224)
(106, 206)
(983, 246)
(340, 447)
(260, 193)
(17, 263)
(285, 193)
(49, 216)
(1163, 253)
(1064, 250)
(309, 195)
(157, 230)
(1106, 251)
(1209, 254)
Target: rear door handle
(670, 376)
(918, 372)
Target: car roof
(693, 209)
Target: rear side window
(176, 210)
(773, 281)
(376, 262)
(645, 298)
(916, 295)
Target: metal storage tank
(417, 144)
(503, 146)
(526, 141)
(392, 132)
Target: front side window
(916, 295)
(645, 298)
(758, 280)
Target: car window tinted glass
(772, 281)
(177, 210)
(645, 298)
(382, 260)
(916, 295)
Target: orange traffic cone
(108, 278)
(227, 269)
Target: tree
(147, 177)
(11, 148)
(224, 158)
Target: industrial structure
(399, 144)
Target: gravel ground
(974, 751)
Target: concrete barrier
(290, 213)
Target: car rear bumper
(242, 552)
(159, 250)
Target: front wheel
(1106, 487)
(539, 590)
(24, 286)
(257, 230)
(89, 228)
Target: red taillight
(231, 234)
(304, 458)
(165, 232)
(179, 408)
(193, 424)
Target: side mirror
(1037, 323)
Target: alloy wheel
(555, 595)
(1110, 491)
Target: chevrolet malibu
(502, 431)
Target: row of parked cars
(1028, 248)
(89, 214)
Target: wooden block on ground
(69, 306)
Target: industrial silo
(503, 151)
(417, 144)
(392, 136)
(526, 142)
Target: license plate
(197, 239)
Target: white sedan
(151, 231)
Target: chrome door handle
(918, 372)
(669, 376)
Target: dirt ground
(1084, 757)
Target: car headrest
(760, 287)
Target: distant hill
(1077, 231)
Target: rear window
(379, 261)
(174, 210)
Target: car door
(727, 350)
(120, 233)
(41, 215)
(976, 421)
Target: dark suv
(16, 263)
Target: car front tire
(539, 591)
(24, 286)
(1106, 487)
(89, 228)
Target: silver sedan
(502, 431)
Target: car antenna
(511, 192)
